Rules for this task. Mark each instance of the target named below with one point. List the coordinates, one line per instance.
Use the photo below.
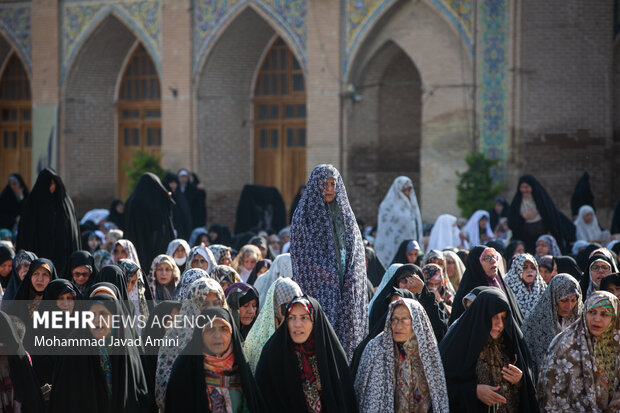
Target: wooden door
(280, 122)
(139, 114)
(15, 122)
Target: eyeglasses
(597, 268)
(404, 321)
(489, 258)
(81, 274)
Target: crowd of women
(514, 310)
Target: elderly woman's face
(200, 262)
(216, 337)
(489, 262)
(401, 324)
(330, 190)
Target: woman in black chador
(48, 226)
(148, 218)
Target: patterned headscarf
(526, 296)
(187, 279)
(191, 307)
(130, 268)
(398, 219)
(151, 278)
(224, 274)
(102, 258)
(129, 248)
(375, 381)
(543, 323)
(459, 268)
(433, 272)
(579, 372)
(217, 250)
(281, 292)
(316, 266)
(554, 250)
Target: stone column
(323, 44)
(45, 83)
(176, 85)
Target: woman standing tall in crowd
(48, 225)
(399, 219)
(328, 257)
(400, 369)
(533, 213)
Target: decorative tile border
(211, 15)
(361, 15)
(493, 100)
(15, 23)
(80, 17)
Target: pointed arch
(138, 112)
(72, 47)
(385, 127)
(13, 47)
(225, 108)
(444, 70)
(88, 118)
(15, 120)
(206, 39)
(362, 21)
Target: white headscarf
(591, 231)
(472, 227)
(399, 219)
(281, 267)
(444, 234)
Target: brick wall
(567, 93)
(432, 133)
(224, 113)
(560, 160)
(89, 116)
(176, 76)
(387, 144)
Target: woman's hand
(529, 214)
(512, 374)
(486, 394)
(417, 284)
(437, 295)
